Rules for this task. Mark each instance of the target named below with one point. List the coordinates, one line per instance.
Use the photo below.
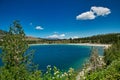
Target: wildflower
(53, 77)
(56, 72)
(65, 74)
(71, 70)
(46, 72)
(62, 75)
(48, 66)
(58, 76)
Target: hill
(103, 38)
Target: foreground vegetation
(111, 71)
(18, 65)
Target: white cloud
(39, 28)
(86, 16)
(74, 37)
(53, 36)
(93, 13)
(62, 35)
(100, 11)
(56, 36)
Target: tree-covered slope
(103, 38)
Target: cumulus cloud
(93, 13)
(74, 37)
(39, 28)
(53, 36)
(62, 35)
(100, 11)
(56, 36)
(86, 15)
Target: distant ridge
(102, 39)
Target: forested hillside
(103, 38)
(100, 39)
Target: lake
(62, 56)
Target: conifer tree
(94, 59)
(16, 61)
(14, 46)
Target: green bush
(112, 72)
(55, 74)
(112, 53)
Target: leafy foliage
(112, 53)
(55, 74)
(14, 46)
(95, 62)
(112, 69)
(13, 56)
(112, 72)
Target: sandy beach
(82, 44)
(89, 44)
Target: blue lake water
(62, 56)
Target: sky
(62, 18)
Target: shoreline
(91, 44)
(83, 71)
(81, 44)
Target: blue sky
(62, 18)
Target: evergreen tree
(112, 53)
(96, 62)
(14, 46)
(15, 60)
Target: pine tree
(94, 59)
(14, 46)
(16, 61)
(96, 62)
